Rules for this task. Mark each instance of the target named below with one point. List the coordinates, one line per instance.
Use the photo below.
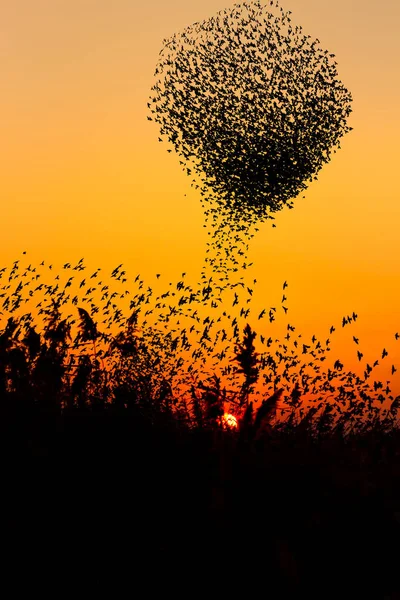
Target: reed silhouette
(117, 449)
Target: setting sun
(229, 421)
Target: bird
(251, 174)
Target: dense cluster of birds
(165, 339)
(253, 107)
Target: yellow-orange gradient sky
(83, 175)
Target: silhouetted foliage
(246, 356)
(180, 365)
(124, 408)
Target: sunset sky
(83, 174)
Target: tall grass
(116, 398)
(176, 356)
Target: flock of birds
(253, 108)
(171, 324)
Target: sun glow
(229, 421)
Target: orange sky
(82, 173)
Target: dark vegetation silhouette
(118, 453)
(169, 440)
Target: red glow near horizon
(229, 421)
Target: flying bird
(237, 128)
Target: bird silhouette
(236, 126)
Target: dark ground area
(91, 501)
